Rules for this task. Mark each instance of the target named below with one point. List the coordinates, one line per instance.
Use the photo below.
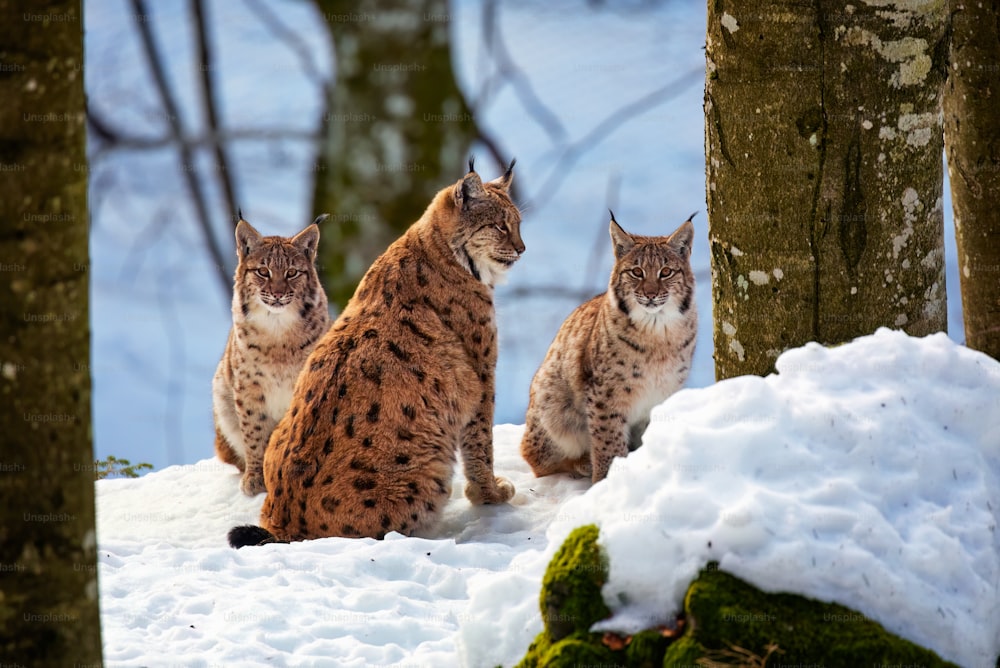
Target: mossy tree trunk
(823, 152)
(396, 130)
(972, 139)
(48, 600)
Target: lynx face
(274, 272)
(489, 239)
(652, 275)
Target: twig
(548, 291)
(114, 137)
(612, 122)
(208, 93)
(598, 249)
(509, 70)
(177, 132)
(290, 39)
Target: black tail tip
(249, 534)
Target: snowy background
(159, 318)
(867, 474)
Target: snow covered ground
(867, 474)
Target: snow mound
(866, 474)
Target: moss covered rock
(571, 603)
(571, 590)
(729, 622)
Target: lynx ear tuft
(612, 216)
(320, 218)
(239, 214)
(505, 180)
(620, 239)
(691, 217)
(472, 163)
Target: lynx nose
(515, 240)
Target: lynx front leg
(256, 427)
(482, 485)
(609, 437)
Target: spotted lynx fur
(614, 358)
(403, 379)
(279, 313)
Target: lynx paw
(501, 491)
(582, 469)
(252, 483)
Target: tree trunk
(972, 137)
(397, 129)
(823, 152)
(48, 601)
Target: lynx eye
(292, 273)
(501, 228)
(637, 272)
(263, 272)
(667, 272)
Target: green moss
(571, 603)
(571, 590)
(579, 649)
(683, 653)
(725, 612)
(646, 649)
(729, 622)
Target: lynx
(403, 379)
(279, 313)
(614, 358)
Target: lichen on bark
(824, 178)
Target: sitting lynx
(402, 380)
(614, 358)
(279, 313)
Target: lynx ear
(682, 238)
(508, 176)
(469, 188)
(247, 239)
(620, 239)
(307, 240)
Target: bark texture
(48, 572)
(397, 129)
(824, 174)
(972, 139)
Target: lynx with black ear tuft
(614, 358)
(279, 312)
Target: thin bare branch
(290, 39)
(599, 248)
(509, 72)
(114, 137)
(571, 153)
(548, 292)
(208, 94)
(177, 132)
